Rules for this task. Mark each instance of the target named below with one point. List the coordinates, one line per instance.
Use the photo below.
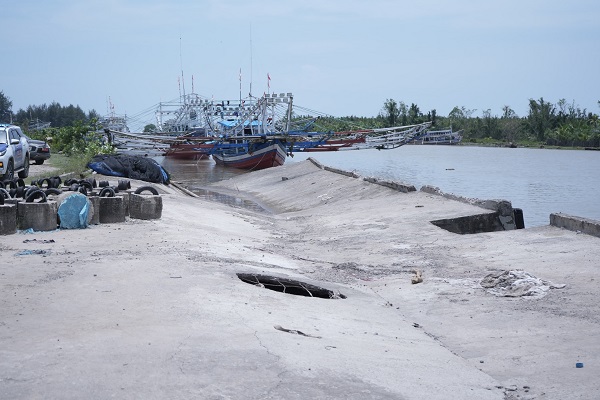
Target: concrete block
(573, 223)
(126, 195)
(94, 210)
(8, 219)
(37, 216)
(112, 210)
(145, 206)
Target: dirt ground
(154, 309)
(42, 171)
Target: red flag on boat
(269, 80)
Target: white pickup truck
(14, 153)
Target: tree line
(546, 123)
(560, 124)
(57, 115)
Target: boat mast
(250, 94)
(181, 67)
(289, 113)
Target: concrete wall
(399, 186)
(576, 224)
(504, 210)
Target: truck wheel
(10, 171)
(25, 173)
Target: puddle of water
(232, 201)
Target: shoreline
(154, 309)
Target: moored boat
(250, 154)
(443, 136)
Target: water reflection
(195, 175)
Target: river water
(539, 181)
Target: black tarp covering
(133, 167)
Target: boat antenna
(250, 94)
(181, 66)
(240, 85)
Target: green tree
(390, 112)
(150, 128)
(415, 116)
(541, 118)
(5, 108)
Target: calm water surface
(539, 181)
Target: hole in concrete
(289, 286)
(471, 224)
(229, 200)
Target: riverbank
(154, 309)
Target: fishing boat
(251, 153)
(444, 136)
(194, 145)
(253, 132)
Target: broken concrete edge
(399, 186)
(502, 207)
(575, 224)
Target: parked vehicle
(39, 150)
(14, 152)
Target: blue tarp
(73, 212)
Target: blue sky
(338, 57)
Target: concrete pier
(156, 308)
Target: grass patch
(61, 164)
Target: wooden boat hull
(266, 156)
(189, 151)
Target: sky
(338, 57)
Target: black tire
(38, 194)
(107, 192)
(25, 172)
(45, 180)
(9, 175)
(86, 184)
(83, 190)
(20, 192)
(93, 182)
(4, 193)
(10, 185)
(53, 191)
(39, 162)
(20, 182)
(103, 184)
(56, 181)
(71, 181)
(30, 190)
(124, 184)
(150, 189)
(2, 185)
